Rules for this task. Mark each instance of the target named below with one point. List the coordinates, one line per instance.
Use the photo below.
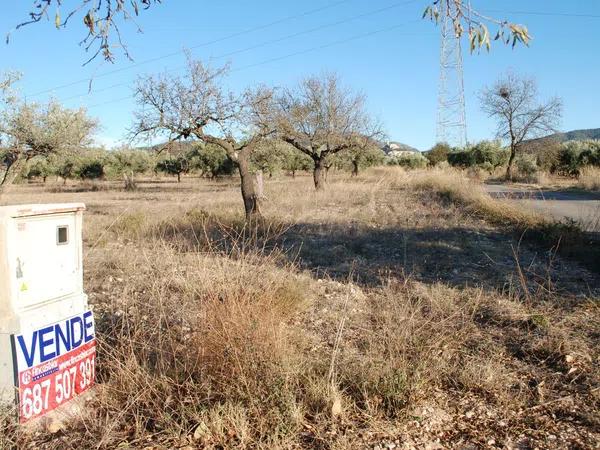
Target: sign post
(54, 364)
(47, 332)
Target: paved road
(583, 207)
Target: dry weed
(589, 179)
(210, 336)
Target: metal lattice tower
(451, 118)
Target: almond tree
(320, 118)
(197, 106)
(512, 101)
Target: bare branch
(100, 17)
(466, 19)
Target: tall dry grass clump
(589, 178)
(211, 336)
(198, 345)
(454, 186)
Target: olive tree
(366, 153)
(126, 163)
(294, 161)
(513, 102)
(174, 164)
(320, 118)
(28, 130)
(211, 161)
(197, 106)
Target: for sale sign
(54, 364)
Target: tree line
(310, 125)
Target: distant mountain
(592, 133)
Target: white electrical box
(47, 336)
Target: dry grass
(393, 308)
(589, 179)
(453, 186)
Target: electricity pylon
(451, 118)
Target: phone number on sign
(56, 386)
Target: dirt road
(581, 206)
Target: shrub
(527, 168)
(484, 154)
(575, 155)
(438, 154)
(91, 170)
(546, 153)
(410, 161)
(212, 161)
(526, 165)
(173, 166)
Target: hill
(592, 133)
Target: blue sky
(380, 47)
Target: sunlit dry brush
(454, 186)
(216, 334)
(189, 341)
(589, 179)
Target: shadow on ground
(457, 256)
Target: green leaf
(57, 19)
(427, 11)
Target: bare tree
(512, 102)
(196, 106)
(321, 118)
(33, 129)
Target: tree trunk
(249, 194)
(178, 177)
(511, 159)
(11, 173)
(44, 179)
(293, 174)
(129, 181)
(354, 168)
(318, 174)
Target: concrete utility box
(47, 338)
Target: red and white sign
(54, 364)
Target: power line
(266, 43)
(204, 44)
(540, 13)
(291, 55)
